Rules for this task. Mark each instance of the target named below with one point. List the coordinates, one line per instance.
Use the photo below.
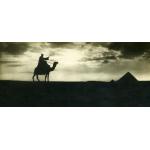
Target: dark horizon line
(71, 80)
(53, 81)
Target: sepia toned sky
(85, 61)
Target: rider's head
(42, 55)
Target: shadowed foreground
(18, 93)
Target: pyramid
(127, 78)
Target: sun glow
(71, 57)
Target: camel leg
(45, 77)
(48, 77)
(37, 77)
(33, 77)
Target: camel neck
(54, 66)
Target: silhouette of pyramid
(127, 78)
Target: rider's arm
(47, 58)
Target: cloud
(10, 63)
(129, 49)
(13, 48)
(96, 44)
(101, 55)
(94, 50)
(7, 61)
(15, 65)
(61, 44)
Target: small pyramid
(112, 81)
(128, 78)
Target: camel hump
(41, 70)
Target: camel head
(54, 66)
(55, 63)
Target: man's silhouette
(42, 64)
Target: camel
(46, 72)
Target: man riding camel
(42, 63)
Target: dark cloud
(101, 56)
(15, 65)
(10, 63)
(129, 49)
(13, 48)
(110, 57)
(7, 61)
(74, 44)
(93, 59)
(68, 44)
(96, 44)
(146, 56)
(60, 44)
(105, 61)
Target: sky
(78, 61)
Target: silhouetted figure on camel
(42, 64)
(43, 68)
